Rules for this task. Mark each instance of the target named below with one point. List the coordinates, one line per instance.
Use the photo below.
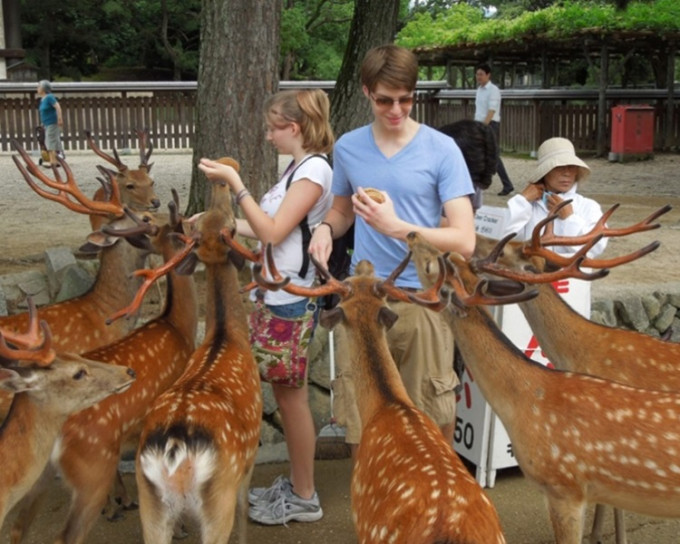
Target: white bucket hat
(556, 152)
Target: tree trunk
(238, 71)
(374, 23)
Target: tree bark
(238, 71)
(374, 23)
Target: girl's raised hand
(222, 170)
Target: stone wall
(58, 275)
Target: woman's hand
(321, 244)
(217, 171)
(533, 192)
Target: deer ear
(12, 382)
(187, 265)
(97, 240)
(500, 288)
(328, 319)
(387, 317)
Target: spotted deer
(79, 324)
(47, 387)
(580, 438)
(136, 185)
(92, 441)
(624, 356)
(198, 446)
(408, 485)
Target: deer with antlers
(624, 356)
(47, 387)
(136, 184)
(79, 324)
(580, 438)
(434, 498)
(198, 446)
(92, 441)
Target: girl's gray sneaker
(258, 496)
(288, 507)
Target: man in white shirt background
(488, 111)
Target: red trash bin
(632, 132)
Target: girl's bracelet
(241, 195)
(330, 227)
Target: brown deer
(625, 356)
(79, 324)
(408, 485)
(198, 447)
(47, 387)
(135, 185)
(92, 440)
(580, 438)
(651, 364)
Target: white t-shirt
(288, 254)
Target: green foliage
(313, 37)
(455, 24)
(561, 20)
(76, 38)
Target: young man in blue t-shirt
(421, 173)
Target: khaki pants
(421, 344)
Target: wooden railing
(113, 111)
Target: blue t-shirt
(420, 178)
(48, 113)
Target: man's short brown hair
(391, 65)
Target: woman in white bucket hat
(556, 178)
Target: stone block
(74, 282)
(319, 357)
(3, 303)
(665, 318)
(674, 299)
(57, 261)
(36, 288)
(675, 330)
(602, 311)
(652, 306)
(632, 314)
(269, 405)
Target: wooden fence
(114, 111)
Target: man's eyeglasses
(388, 102)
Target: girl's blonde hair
(310, 109)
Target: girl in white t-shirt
(298, 125)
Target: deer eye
(80, 374)
(130, 186)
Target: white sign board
(479, 435)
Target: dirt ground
(30, 225)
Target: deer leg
(119, 500)
(620, 526)
(28, 506)
(90, 490)
(598, 521)
(242, 506)
(217, 518)
(158, 521)
(566, 516)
